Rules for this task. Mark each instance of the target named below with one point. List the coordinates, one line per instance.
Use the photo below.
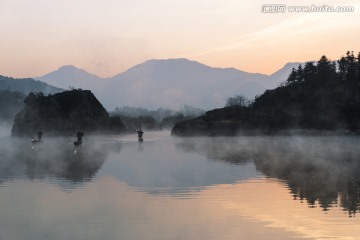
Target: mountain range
(170, 83)
(26, 85)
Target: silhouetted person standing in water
(140, 135)
(39, 135)
(79, 136)
(39, 138)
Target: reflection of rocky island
(323, 171)
(316, 96)
(64, 113)
(53, 158)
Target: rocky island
(317, 96)
(64, 113)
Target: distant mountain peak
(70, 76)
(291, 64)
(172, 61)
(70, 70)
(68, 67)
(286, 68)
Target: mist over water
(318, 169)
(5, 129)
(113, 187)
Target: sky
(109, 36)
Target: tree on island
(238, 101)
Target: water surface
(180, 188)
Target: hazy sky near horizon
(107, 37)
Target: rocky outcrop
(218, 122)
(64, 113)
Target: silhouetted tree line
(149, 122)
(322, 95)
(136, 118)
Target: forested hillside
(322, 95)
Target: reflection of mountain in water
(54, 157)
(323, 170)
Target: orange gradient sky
(109, 36)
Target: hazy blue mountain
(170, 83)
(26, 85)
(72, 77)
(173, 83)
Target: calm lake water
(180, 188)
